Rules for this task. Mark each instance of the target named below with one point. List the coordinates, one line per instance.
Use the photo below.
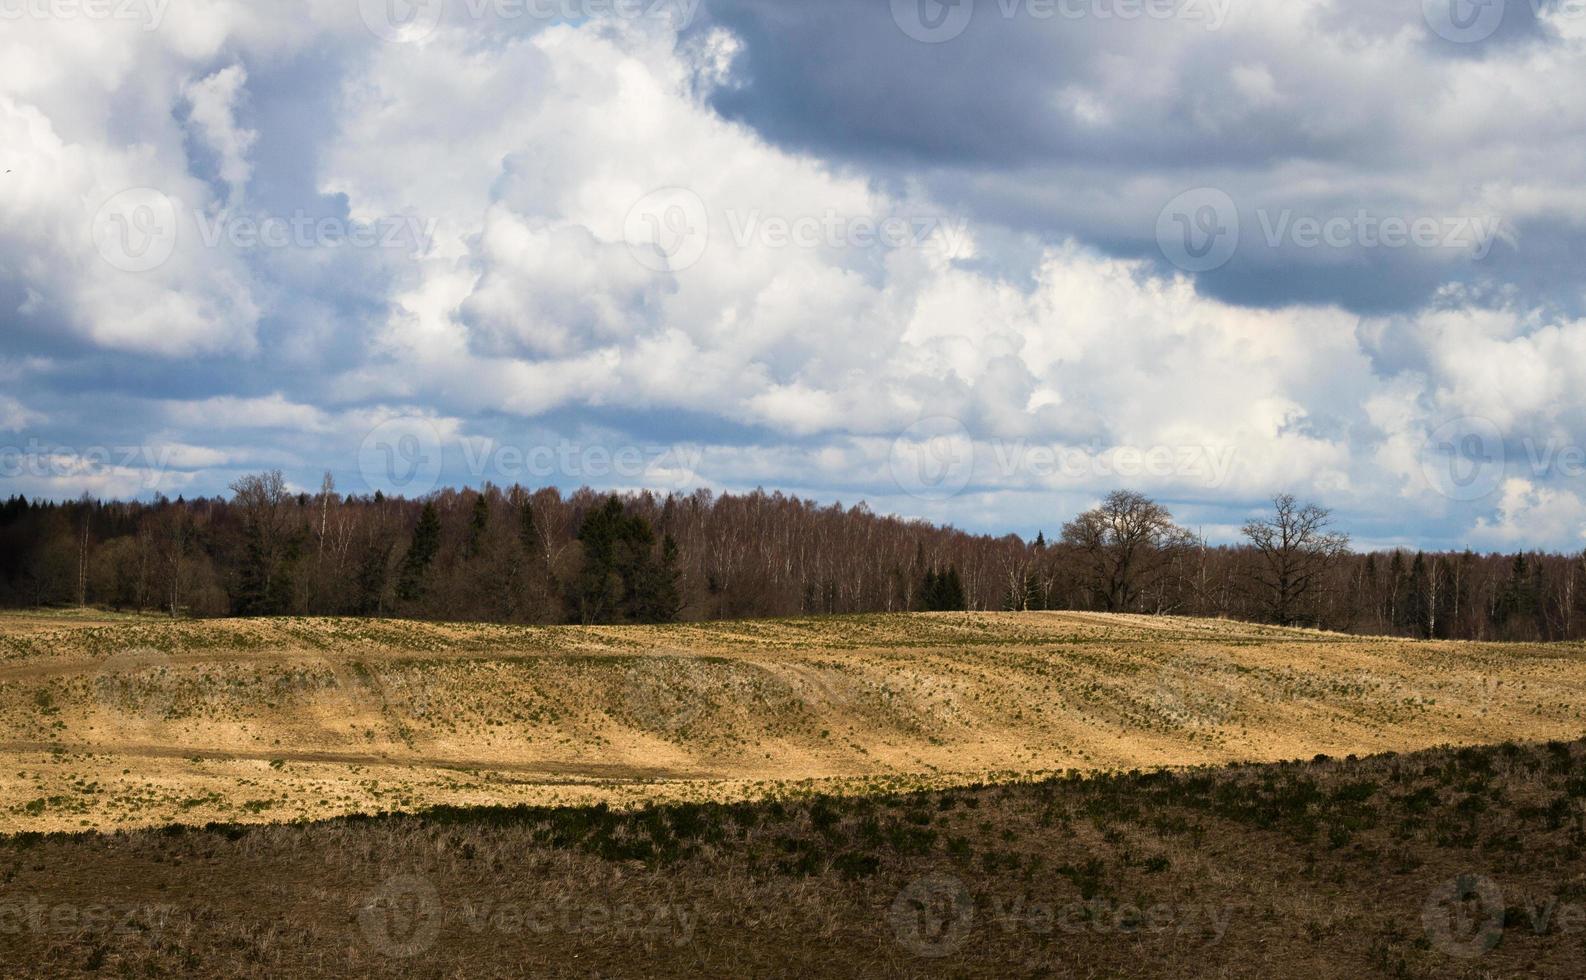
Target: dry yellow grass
(144, 723)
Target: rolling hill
(138, 723)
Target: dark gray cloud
(1063, 121)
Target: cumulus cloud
(227, 412)
(214, 104)
(1529, 516)
(636, 232)
(98, 233)
(14, 416)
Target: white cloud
(15, 417)
(1529, 516)
(197, 300)
(214, 104)
(270, 412)
(528, 151)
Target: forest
(517, 555)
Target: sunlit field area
(953, 794)
(144, 723)
(963, 794)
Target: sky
(979, 262)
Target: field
(137, 723)
(1040, 794)
(1448, 863)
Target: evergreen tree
(1395, 588)
(426, 544)
(1516, 606)
(1033, 599)
(372, 577)
(622, 580)
(478, 525)
(654, 597)
(264, 583)
(953, 598)
(1368, 592)
(1414, 611)
(596, 593)
(528, 531)
(943, 591)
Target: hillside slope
(145, 723)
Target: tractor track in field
(593, 771)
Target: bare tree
(1295, 548)
(1125, 545)
(86, 504)
(175, 535)
(268, 527)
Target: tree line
(538, 556)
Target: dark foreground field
(1446, 863)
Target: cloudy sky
(978, 262)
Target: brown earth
(1467, 863)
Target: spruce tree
(953, 599)
(1415, 612)
(943, 591)
(426, 544)
(528, 531)
(622, 579)
(653, 596)
(478, 525)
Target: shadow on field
(1463, 862)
